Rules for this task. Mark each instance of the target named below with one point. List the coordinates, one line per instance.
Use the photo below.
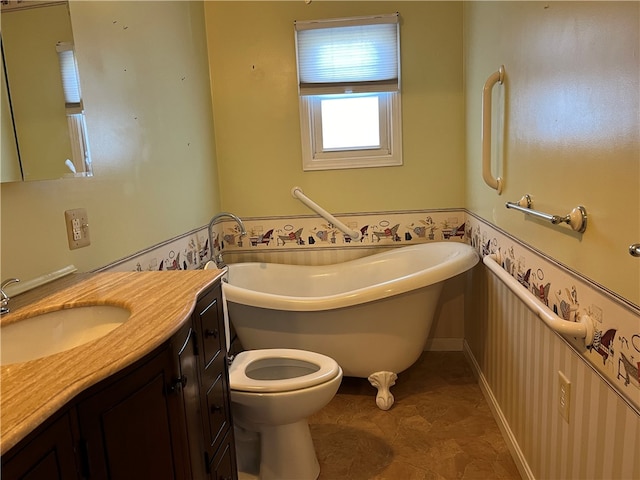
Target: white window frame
(389, 152)
(314, 157)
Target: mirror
(10, 167)
(43, 99)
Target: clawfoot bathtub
(372, 315)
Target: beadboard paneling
(517, 358)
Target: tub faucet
(4, 298)
(218, 259)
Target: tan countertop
(159, 302)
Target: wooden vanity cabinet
(165, 417)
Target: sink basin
(57, 331)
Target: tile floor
(440, 427)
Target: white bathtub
(372, 315)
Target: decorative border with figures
(391, 228)
(615, 353)
(191, 250)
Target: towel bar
(576, 219)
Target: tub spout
(216, 218)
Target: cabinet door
(49, 456)
(132, 429)
(188, 384)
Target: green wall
(144, 74)
(257, 121)
(567, 130)
(566, 127)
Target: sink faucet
(4, 298)
(218, 259)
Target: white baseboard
(507, 434)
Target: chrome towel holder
(576, 219)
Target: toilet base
(247, 451)
(287, 452)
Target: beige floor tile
(440, 427)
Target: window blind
(350, 55)
(69, 73)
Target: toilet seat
(321, 369)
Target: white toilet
(273, 391)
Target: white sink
(57, 331)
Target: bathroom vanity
(148, 400)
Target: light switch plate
(77, 223)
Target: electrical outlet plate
(77, 223)
(564, 396)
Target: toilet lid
(280, 370)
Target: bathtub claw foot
(383, 381)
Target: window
(80, 163)
(349, 85)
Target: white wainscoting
(517, 359)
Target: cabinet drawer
(211, 327)
(217, 405)
(223, 464)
